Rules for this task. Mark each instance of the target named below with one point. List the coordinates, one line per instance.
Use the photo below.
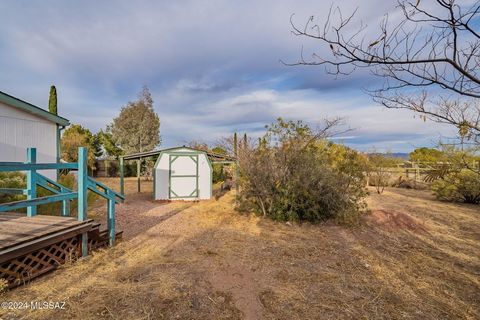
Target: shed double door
(183, 176)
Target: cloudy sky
(212, 67)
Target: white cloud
(213, 66)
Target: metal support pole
(82, 194)
(122, 174)
(138, 175)
(31, 181)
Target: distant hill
(401, 155)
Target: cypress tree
(235, 144)
(52, 101)
(245, 142)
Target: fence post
(82, 194)
(111, 217)
(31, 181)
(138, 175)
(122, 173)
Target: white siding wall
(162, 174)
(205, 177)
(161, 178)
(20, 130)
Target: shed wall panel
(183, 167)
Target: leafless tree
(435, 45)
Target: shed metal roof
(30, 108)
(214, 157)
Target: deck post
(65, 208)
(82, 193)
(111, 218)
(122, 174)
(31, 181)
(138, 175)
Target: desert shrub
(380, 170)
(457, 177)
(217, 173)
(406, 183)
(463, 185)
(295, 174)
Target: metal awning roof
(214, 157)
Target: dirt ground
(413, 257)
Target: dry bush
(295, 174)
(408, 183)
(379, 170)
(3, 285)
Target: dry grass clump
(417, 260)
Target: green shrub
(297, 175)
(463, 186)
(12, 180)
(217, 173)
(113, 169)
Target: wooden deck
(16, 229)
(31, 246)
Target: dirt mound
(393, 221)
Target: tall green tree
(52, 100)
(235, 144)
(137, 127)
(109, 148)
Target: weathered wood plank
(16, 228)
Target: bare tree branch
(436, 45)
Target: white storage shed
(182, 173)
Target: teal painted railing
(60, 193)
